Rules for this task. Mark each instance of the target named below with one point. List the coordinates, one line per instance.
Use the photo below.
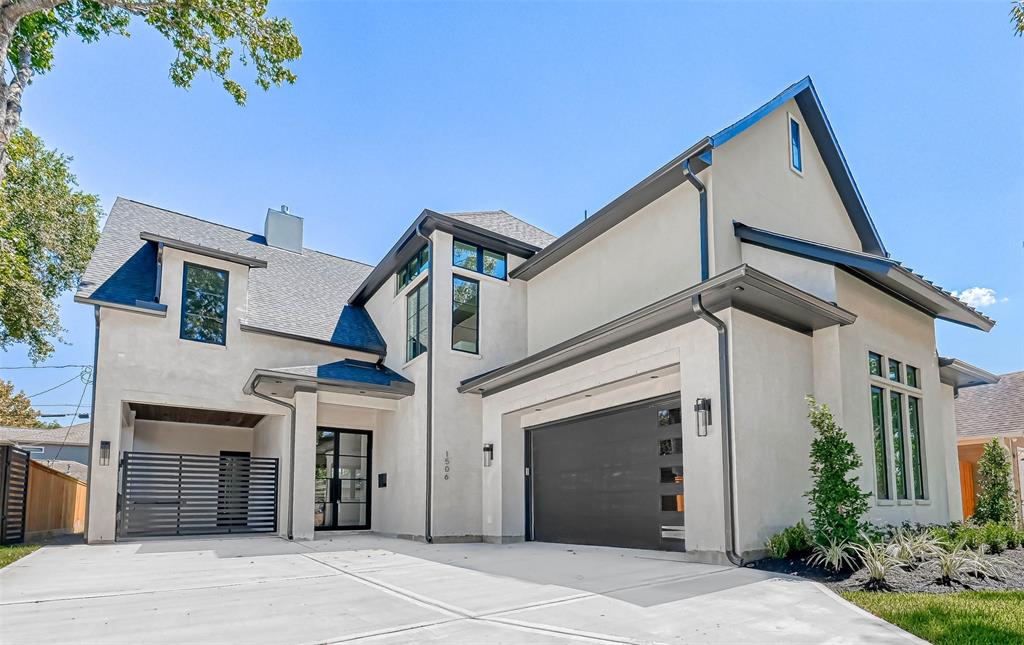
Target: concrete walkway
(363, 588)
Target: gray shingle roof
(77, 435)
(70, 468)
(508, 225)
(299, 294)
(990, 410)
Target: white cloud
(978, 297)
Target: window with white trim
(897, 432)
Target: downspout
(428, 534)
(728, 444)
(702, 191)
(291, 443)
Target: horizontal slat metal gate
(172, 494)
(13, 494)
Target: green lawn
(962, 618)
(9, 554)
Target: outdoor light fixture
(488, 454)
(104, 453)
(703, 409)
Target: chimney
(283, 230)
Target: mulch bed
(923, 579)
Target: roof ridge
(235, 228)
(505, 212)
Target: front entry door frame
(334, 485)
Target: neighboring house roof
(298, 295)
(886, 273)
(346, 376)
(508, 225)
(71, 468)
(76, 435)
(992, 410)
(700, 155)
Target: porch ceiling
(175, 414)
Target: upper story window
(204, 304)
(898, 438)
(796, 159)
(476, 258)
(415, 266)
(465, 315)
(417, 328)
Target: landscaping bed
(924, 578)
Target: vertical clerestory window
(465, 315)
(796, 159)
(417, 308)
(415, 266)
(896, 418)
(204, 304)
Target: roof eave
(140, 306)
(397, 389)
(205, 251)
(742, 287)
(960, 374)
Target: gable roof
(77, 435)
(297, 295)
(701, 156)
(885, 273)
(992, 410)
(508, 225)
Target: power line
(84, 375)
(42, 367)
(72, 422)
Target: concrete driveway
(371, 589)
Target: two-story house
(638, 381)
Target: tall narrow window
(417, 307)
(899, 452)
(204, 304)
(894, 371)
(415, 266)
(874, 364)
(465, 315)
(917, 459)
(795, 153)
(881, 449)
(912, 376)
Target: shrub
(944, 536)
(995, 498)
(970, 536)
(953, 564)
(792, 541)
(799, 538)
(833, 554)
(877, 558)
(994, 536)
(837, 502)
(777, 545)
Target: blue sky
(547, 110)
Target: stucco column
(828, 380)
(305, 464)
(103, 479)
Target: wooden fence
(56, 503)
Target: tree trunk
(11, 97)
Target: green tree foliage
(837, 502)
(210, 36)
(1017, 17)
(48, 228)
(995, 496)
(16, 409)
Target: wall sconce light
(104, 453)
(488, 454)
(703, 409)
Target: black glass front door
(341, 496)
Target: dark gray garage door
(613, 478)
